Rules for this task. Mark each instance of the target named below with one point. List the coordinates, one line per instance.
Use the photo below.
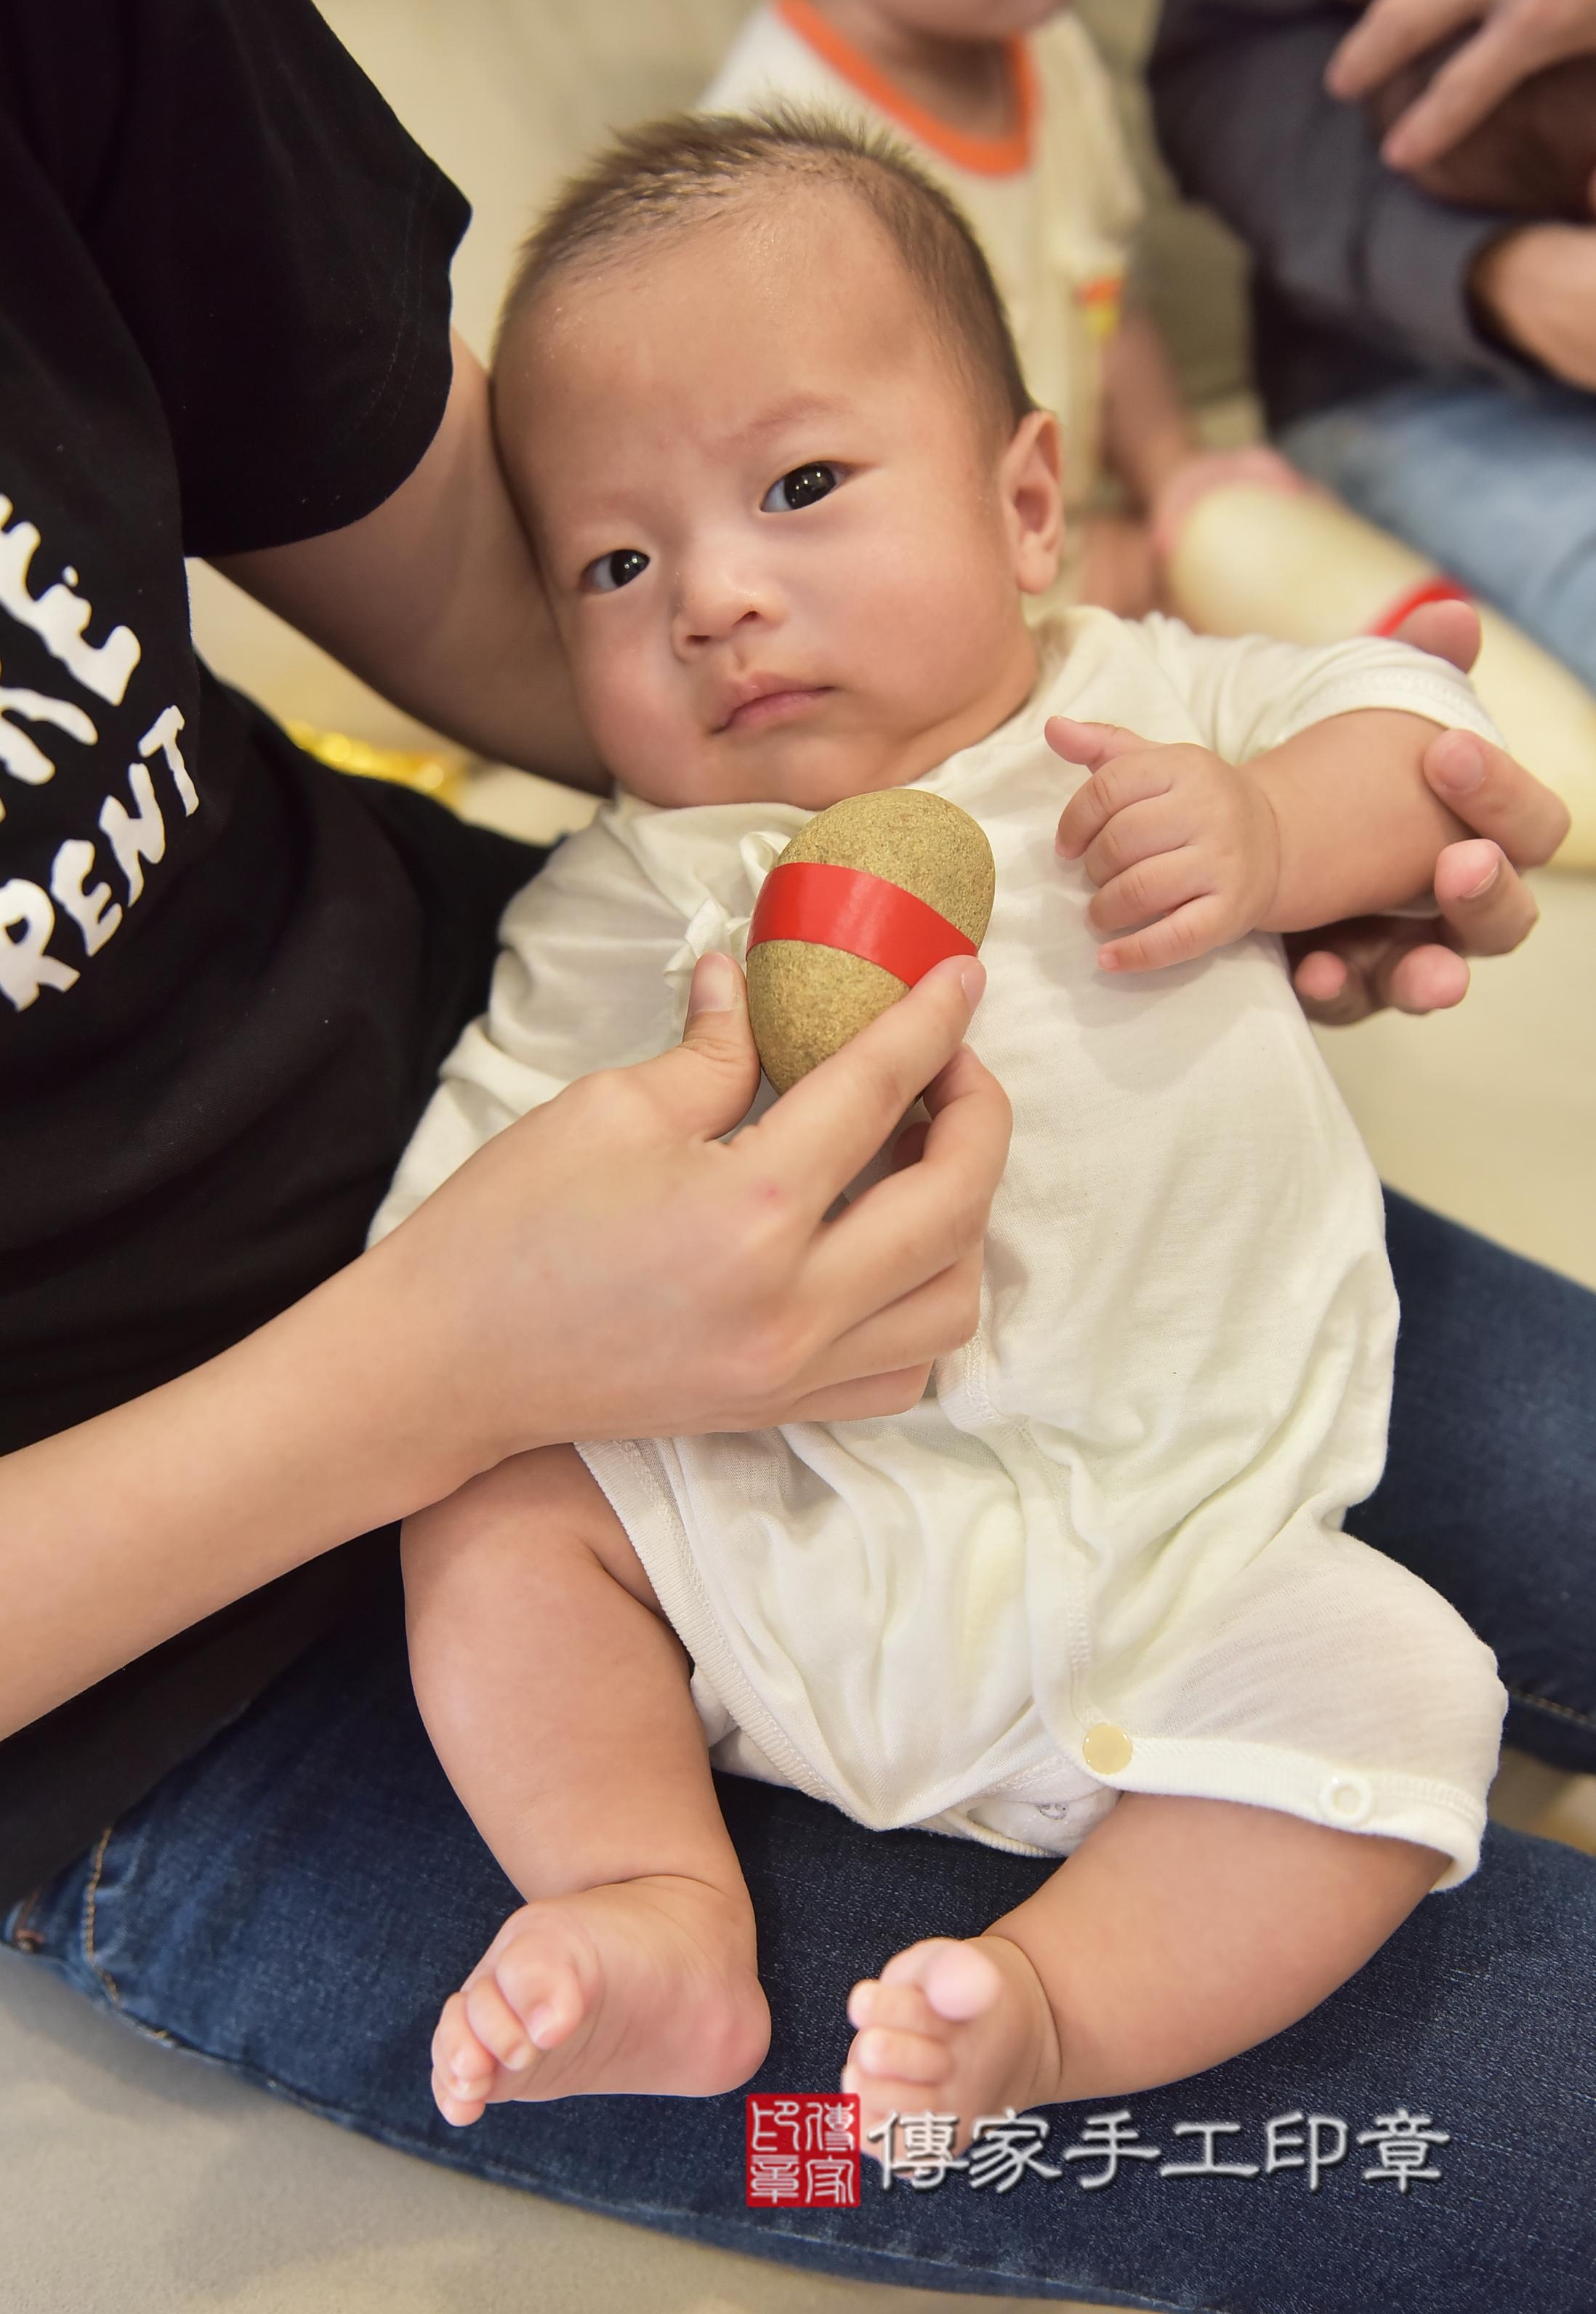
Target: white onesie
(1103, 1553)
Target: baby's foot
(946, 2027)
(645, 1988)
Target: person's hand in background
(1535, 287)
(1515, 38)
(1344, 972)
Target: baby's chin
(810, 774)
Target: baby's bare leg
(1179, 1933)
(556, 1695)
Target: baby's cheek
(630, 714)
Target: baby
(1088, 1598)
(1007, 107)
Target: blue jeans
(1497, 488)
(296, 1902)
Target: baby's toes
(897, 2007)
(542, 1991)
(496, 2025)
(916, 2060)
(958, 1980)
(462, 2070)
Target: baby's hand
(1174, 833)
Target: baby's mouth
(764, 700)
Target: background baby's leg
(557, 1697)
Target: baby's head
(758, 399)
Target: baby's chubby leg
(557, 1697)
(1179, 1933)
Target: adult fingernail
(714, 982)
(1462, 766)
(1474, 891)
(972, 979)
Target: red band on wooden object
(861, 914)
(1428, 590)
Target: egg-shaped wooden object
(864, 900)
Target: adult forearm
(435, 600)
(127, 1528)
(1360, 826)
(608, 1266)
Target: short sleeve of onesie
(276, 244)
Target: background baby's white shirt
(1121, 1505)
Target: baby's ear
(1030, 479)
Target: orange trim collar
(983, 156)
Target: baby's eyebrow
(793, 412)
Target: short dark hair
(674, 173)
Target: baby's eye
(617, 569)
(801, 487)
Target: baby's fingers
(1151, 888)
(1091, 743)
(1141, 832)
(1188, 932)
(1130, 779)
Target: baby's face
(785, 550)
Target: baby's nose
(711, 602)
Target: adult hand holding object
(1515, 38)
(604, 1266)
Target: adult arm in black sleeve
(1248, 125)
(434, 599)
(278, 249)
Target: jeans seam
(21, 1937)
(1545, 1703)
(91, 1906)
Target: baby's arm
(1181, 1932)
(1337, 822)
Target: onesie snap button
(1346, 1799)
(1107, 1749)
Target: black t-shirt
(227, 975)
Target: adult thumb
(711, 1076)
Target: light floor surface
(137, 2183)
